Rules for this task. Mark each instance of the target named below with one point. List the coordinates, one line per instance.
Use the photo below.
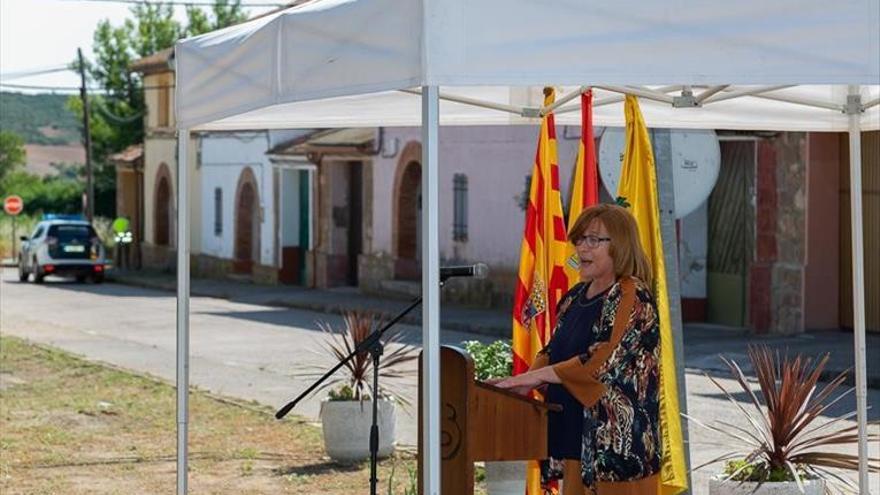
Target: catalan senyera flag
(542, 278)
(584, 183)
(638, 192)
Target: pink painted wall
(821, 275)
(496, 160)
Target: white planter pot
(346, 427)
(506, 478)
(811, 487)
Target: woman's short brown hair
(625, 247)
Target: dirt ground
(68, 426)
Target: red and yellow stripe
(542, 278)
(584, 184)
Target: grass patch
(71, 426)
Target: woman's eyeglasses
(591, 240)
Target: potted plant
(346, 413)
(785, 449)
(495, 360)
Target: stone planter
(346, 427)
(506, 478)
(719, 487)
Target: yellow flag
(542, 280)
(638, 192)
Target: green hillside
(39, 118)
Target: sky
(44, 34)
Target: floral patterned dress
(617, 382)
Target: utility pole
(90, 185)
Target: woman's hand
(522, 384)
(526, 382)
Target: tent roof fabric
(340, 48)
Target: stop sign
(13, 205)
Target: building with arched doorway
(241, 194)
(483, 173)
(159, 173)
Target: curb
(320, 308)
(826, 376)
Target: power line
(76, 88)
(187, 3)
(103, 110)
(48, 88)
(33, 72)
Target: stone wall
(205, 266)
(162, 258)
(372, 270)
(266, 275)
(376, 277)
(776, 279)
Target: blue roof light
(63, 216)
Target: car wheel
(98, 278)
(38, 274)
(23, 275)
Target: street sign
(13, 205)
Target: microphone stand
(373, 345)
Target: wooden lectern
(481, 422)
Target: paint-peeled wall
(496, 161)
(224, 158)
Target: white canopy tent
(784, 65)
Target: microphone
(480, 270)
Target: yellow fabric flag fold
(638, 192)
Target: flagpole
(662, 144)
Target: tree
(225, 13)
(151, 29)
(116, 118)
(12, 154)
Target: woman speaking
(602, 366)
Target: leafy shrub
(494, 360)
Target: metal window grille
(218, 211)
(459, 224)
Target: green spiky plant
(785, 442)
(355, 382)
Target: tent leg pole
(858, 278)
(183, 248)
(430, 292)
(662, 139)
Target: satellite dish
(696, 161)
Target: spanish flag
(542, 279)
(638, 192)
(584, 183)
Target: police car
(62, 245)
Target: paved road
(249, 351)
